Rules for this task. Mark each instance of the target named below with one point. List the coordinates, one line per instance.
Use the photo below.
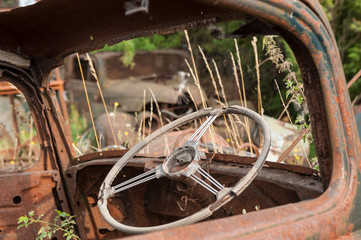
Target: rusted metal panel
(40, 185)
(22, 193)
(89, 175)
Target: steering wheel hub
(182, 162)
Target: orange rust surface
(9, 89)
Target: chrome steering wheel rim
(223, 196)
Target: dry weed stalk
(195, 105)
(161, 121)
(220, 84)
(241, 72)
(77, 150)
(192, 56)
(150, 121)
(244, 94)
(236, 79)
(93, 72)
(243, 100)
(219, 99)
(194, 101)
(285, 108)
(226, 104)
(254, 45)
(143, 125)
(194, 74)
(87, 99)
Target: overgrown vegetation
(259, 63)
(62, 222)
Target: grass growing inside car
(273, 53)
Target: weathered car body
(60, 180)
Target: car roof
(58, 28)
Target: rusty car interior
(170, 184)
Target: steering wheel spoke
(204, 184)
(142, 178)
(207, 176)
(202, 129)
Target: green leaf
(42, 234)
(264, 42)
(20, 226)
(23, 219)
(287, 93)
(299, 99)
(41, 230)
(63, 224)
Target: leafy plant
(295, 92)
(294, 87)
(62, 222)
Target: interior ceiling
(57, 28)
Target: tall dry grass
(88, 102)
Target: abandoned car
(185, 191)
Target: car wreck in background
(131, 93)
(162, 71)
(178, 188)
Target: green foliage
(62, 222)
(211, 46)
(313, 157)
(345, 21)
(130, 47)
(295, 92)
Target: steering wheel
(181, 164)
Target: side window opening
(19, 145)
